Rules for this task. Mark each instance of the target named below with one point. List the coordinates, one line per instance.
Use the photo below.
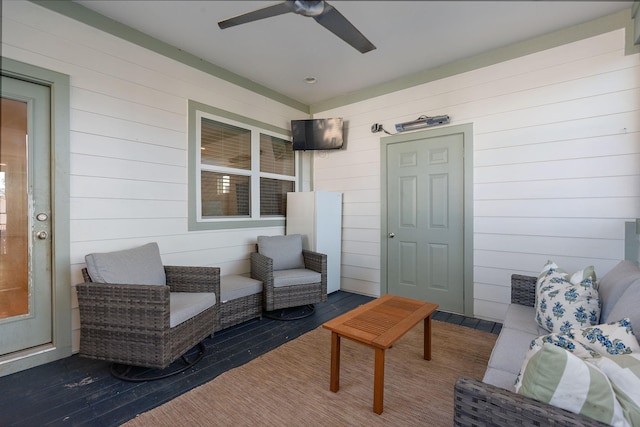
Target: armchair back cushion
(137, 266)
(285, 251)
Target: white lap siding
(556, 163)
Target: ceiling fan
(324, 14)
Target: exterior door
(25, 217)
(425, 214)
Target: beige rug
(289, 386)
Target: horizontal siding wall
(556, 166)
(128, 142)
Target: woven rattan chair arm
(479, 404)
(523, 290)
(85, 275)
(262, 268)
(193, 279)
(315, 261)
(124, 306)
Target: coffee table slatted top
(381, 322)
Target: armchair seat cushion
(136, 266)
(185, 305)
(295, 276)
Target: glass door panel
(14, 214)
(25, 210)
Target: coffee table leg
(335, 362)
(378, 381)
(427, 338)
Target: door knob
(392, 235)
(42, 235)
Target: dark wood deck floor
(77, 391)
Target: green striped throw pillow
(559, 378)
(623, 372)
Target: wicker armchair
(276, 295)
(130, 324)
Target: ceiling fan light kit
(323, 13)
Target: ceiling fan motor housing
(308, 7)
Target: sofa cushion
(518, 330)
(556, 376)
(628, 306)
(137, 266)
(519, 317)
(235, 286)
(566, 301)
(614, 284)
(499, 377)
(285, 251)
(185, 305)
(508, 353)
(623, 371)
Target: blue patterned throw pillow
(613, 338)
(565, 302)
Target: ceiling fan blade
(335, 22)
(267, 12)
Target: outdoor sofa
(493, 401)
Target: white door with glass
(25, 218)
(425, 220)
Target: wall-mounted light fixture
(422, 122)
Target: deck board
(78, 391)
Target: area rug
(289, 386)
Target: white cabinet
(317, 215)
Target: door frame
(467, 134)
(61, 266)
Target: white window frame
(196, 221)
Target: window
(242, 171)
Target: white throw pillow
(564, 301)
(559, 378)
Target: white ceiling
(410, 36)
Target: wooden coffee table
(378, 324)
